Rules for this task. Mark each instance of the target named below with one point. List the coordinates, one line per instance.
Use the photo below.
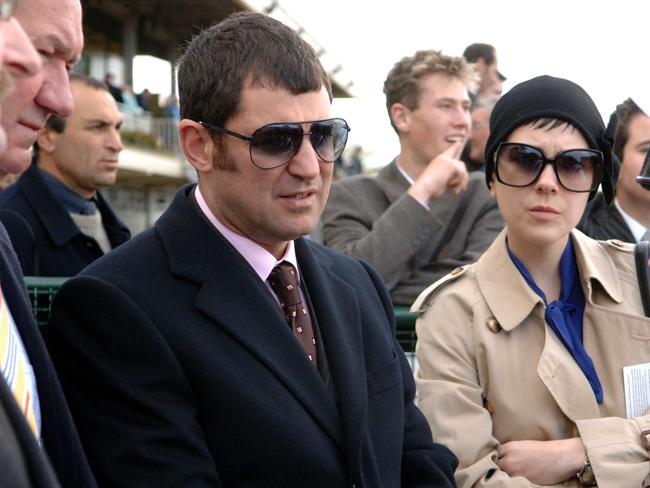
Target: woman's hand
(542, 462)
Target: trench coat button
(493, 324)
(617, 243)
(487, 404)
(456, 271)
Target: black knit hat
(556, 98)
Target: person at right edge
(628, 218)
(521, 354)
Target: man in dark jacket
(57, 220)
(185, 356)
(628, 217)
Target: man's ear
(481, 66)
(197, 144)
(46, 140)
(400, 115)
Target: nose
(306, 163)
(114, 142)
(462, 118)
(547, 181)
(20, 57)
(54, 94)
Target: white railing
(160, 133)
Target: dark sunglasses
(275, 144)
(7, 8)
(520, 165)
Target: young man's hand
(445, 171)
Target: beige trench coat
(491, 371)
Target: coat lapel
(336, 305)
(392, 182)
(512, 301)
(236, 300)
(560, 374)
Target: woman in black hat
(521, 354)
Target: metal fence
(148, 132)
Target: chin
(15, 160)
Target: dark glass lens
(528, 159)
(321, 139)
(276, 140)
(518, 165)
(328, 138)
(578, 170)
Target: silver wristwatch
(586, 474)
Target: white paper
(636, 380)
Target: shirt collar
(402, 172)
(257, 257)
(637, 229)
(70, 200)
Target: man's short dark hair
(246, 47)
(478, 50)
(625, 112)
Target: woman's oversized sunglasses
(520, 165)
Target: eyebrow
(103, 122)
(59, 46)
(644, 142)
(454, 100)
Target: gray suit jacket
(374, 219)
(601, 221)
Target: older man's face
(54, 27)
(18, 59)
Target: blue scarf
(564, 316)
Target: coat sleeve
(480, 223)
(615, 449)
(128, 394)
(449, 390)
(424, 463)
(360, 221)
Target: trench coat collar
(510, 298)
